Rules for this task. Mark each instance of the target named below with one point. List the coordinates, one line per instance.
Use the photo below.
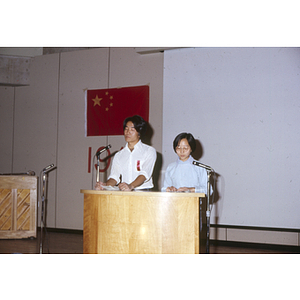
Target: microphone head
(48, 168)
(196, 163)
(102, 150)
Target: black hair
(185, 135)
(139, 124)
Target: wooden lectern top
(140, 193)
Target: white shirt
(130, 164)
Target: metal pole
(98, 169)
(43, 197)
(42, 209)
(208, 211)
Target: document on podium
(110, 188)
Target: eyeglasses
(184, 148)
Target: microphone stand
(98, 161)
(43, 198)
(208, 210)
(209, 171)
(98, 168)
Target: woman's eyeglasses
(184, 148)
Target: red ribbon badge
(138, 165)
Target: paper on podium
(110, 188)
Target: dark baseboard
(62, 230)
(256, 228)
(291, 249)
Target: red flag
(106, 109)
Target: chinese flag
(106, 109)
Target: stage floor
(72, 243)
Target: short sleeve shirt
(128, 165)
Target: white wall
(35, 125)
(243, 105)
(49, 123)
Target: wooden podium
(143, 222)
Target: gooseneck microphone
(196, 163)
(102, 150)
(209, 172)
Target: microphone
(196, 163)
(102, 150)
(30, 173)
(47, 169)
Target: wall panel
(128, 68)
(35, 134)
(6, 128)
(79, 70)
(242, 104)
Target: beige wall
(50, 115)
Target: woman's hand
(171, 189)
(181, 189)
(186, 189)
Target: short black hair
(139, 124)
(185, 135)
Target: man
(135, 162)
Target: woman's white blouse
(185, 174)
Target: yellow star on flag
(97, 101)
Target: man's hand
(98, 186)
(123, 186)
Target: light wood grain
(141, 222)
(18, 206)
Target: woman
(182, 175)
(132, 166)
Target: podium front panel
(141, 222)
